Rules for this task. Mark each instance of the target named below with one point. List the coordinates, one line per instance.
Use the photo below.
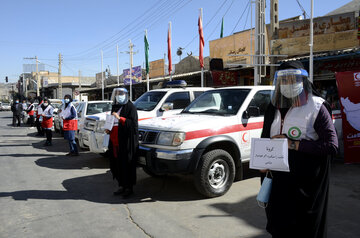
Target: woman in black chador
(124, 143)
(298, 201)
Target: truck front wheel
(215, 173)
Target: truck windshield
(218, 102)
(149, 100)
(94, 108)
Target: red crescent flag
(169, 48)
(202, 42)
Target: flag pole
(147, 62)
(169, 51)
(200, 55)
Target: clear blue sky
(79, 29)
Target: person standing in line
(24, 106)
(298, 200)
(124, 143)
(30, 111)
(39, 112)
(17, 109)
(47, 121)
(70, 125)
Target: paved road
(43, 193)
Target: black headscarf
(70, 98)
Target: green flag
(146, 54)
(222, 28)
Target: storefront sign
(322, 25)
(349, 93)
(224, 78)
(323, 42)
(136, 75)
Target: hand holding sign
(269, 154)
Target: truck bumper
(165, 161)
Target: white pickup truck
(210, 139)
(154, 103)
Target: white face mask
(67, 100)
(291, 90)
(46, 104)
(121, 98)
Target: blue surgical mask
(121, 98)
(16, 101)
(66, 100)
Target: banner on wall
(348, 84)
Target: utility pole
(102, 77)
(59, 77)
(80, 85)
(37, 77)
(259, 66)
(274, 27)
(311, 63)
(131, 66)
(117, 67)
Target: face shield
(292, 88)
(120, 96)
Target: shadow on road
(99, 188)
(86, 161)
(246, 210)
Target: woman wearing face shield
(124, 143)
(69, 117)
(298, 201)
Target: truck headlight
(171, 138)
(100, 126)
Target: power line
(160, 10)
(302, 9)
(175, 6)
(242, 14)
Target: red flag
(201, 46)
(169, 48)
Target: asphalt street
(44, 193)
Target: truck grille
(89, 124)
(148, 137)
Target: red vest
(70, 125)
(47, 122)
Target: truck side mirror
(167, 106)
(252, 111)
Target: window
(149, 100)
(261, 100)
(197, 93)
(179, 99)
(100, 107)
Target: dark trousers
(48, 133)
(73, 146)
(16, 118)
(38, 127)
(31, 120)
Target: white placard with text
(269, 154)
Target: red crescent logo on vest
(294, 132)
